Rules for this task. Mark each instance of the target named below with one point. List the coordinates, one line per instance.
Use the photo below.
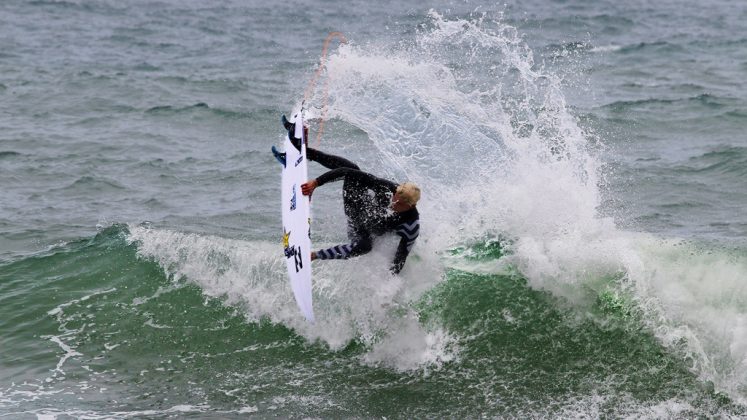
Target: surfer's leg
(362, 245)
(359, 245)
(360, 240)
(324, 159)
(329, 161)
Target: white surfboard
(296, 222)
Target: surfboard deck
(296, 210)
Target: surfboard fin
(278, 155)
(291, 127)
(287, 124)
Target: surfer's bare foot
(313, 256)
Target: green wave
(92, 318)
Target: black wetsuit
(367, 201)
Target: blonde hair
(409, 193)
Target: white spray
(466, 113)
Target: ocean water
(582, 251)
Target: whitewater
(578, 256)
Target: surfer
(373, 206)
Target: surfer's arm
(367, 180)
(408, 232)
(307, 188)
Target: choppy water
(582, 252)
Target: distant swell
(98, 183)
(198, 108)
(691, 108)
(8, 154)
(725, 160)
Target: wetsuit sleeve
(408, 232)
(365, 179)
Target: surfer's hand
(313, 255)
(308, 187)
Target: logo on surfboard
(293, 199)
(292, 251)
(295, 253)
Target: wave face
(504, 156)
(535, 290)
(185, 324)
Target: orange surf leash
(312, 83)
